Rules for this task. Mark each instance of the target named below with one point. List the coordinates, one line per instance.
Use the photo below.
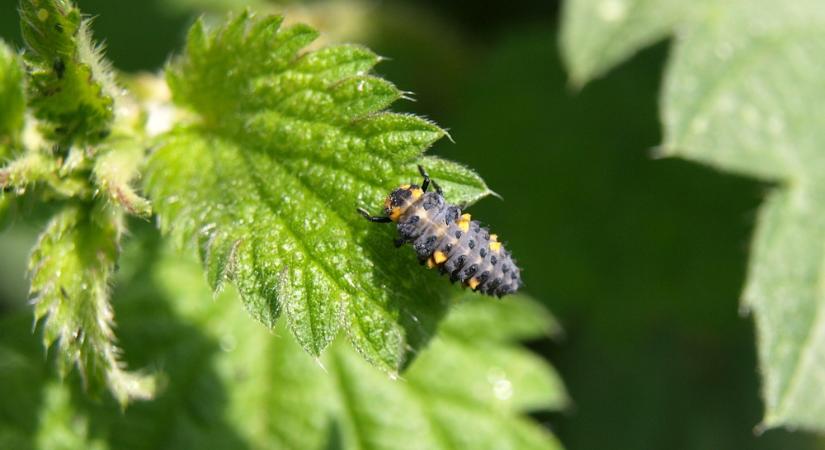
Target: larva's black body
(445, 238)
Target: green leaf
(461, 392)
(267, 181)
(523, 319)
(598, 34)
(738, 91)
(12, 99)
(115, 168)
(742, 93)
(38, 166)
(28, 169)
(235, 386)
(70, 84)
(786, 291)
(70, 269)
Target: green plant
(268, 151)
(740, 93)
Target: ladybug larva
(445, 238)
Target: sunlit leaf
(267, 182)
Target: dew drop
(503, 389)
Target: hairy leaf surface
(115, 169)
(70, 269)
(742, 93)
(12, 99)
(70, 85)
(287, 145)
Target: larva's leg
(426, 183)
(376, 219)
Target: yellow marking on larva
(404, 186)
(430, 263)
(417, 193)
(439, 257)
(473, 283)
(464, 222)
(493, 238)
(495, 246)
(395, 214)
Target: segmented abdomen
(443, 237)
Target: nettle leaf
(12, 99)
(267, 182)
(70, 84)
(741, 94)
(70, 269)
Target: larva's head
(400, 199)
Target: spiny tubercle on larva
(446, 239)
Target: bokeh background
(641, 259)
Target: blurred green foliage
(642, 260)
(737, 95)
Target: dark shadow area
(335, 438)
(22, 374)
(641, 259)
